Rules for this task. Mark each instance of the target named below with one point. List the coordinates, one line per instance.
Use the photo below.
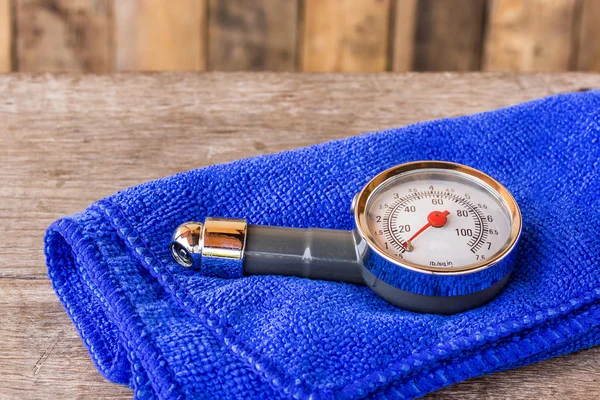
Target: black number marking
(464, 232)
(437, 201)
(403, 228)
(462, 213)
(410, 209)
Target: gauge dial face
(438, 219)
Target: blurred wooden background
(103, 36)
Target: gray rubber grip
(325, 254)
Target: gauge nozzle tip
(186, 244)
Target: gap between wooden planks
(68, 140)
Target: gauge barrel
(314, 253)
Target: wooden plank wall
(532, 35)
(62, 35)
(160, 35)
(252, 35)
(5, 36)
(345, 35)
(102, 36)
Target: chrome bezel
(360, 215)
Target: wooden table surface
(69, 140)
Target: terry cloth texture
(170, 333)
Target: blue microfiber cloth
(170, 333)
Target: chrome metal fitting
(186, 244)
(206, 246)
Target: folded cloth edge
(115, 367)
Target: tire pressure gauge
(430, 236)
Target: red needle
(437, 219)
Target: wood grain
(534, 35)
(160, 35)
(42, 355)
(404, 25)
(346, 36)
(449, 35)
(5, 36)
(588, 50)
(63, 35)
(252, 35)
(68, 140)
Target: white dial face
(438, 218)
